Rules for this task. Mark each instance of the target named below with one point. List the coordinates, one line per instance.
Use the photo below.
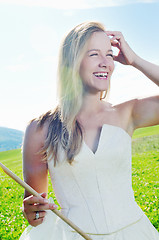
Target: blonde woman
(85, 144)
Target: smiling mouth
(101, 75)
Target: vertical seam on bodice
(101, 197)
(85, 201)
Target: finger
(113, 33)
(115, 58)
(32, 200)
(41, 207)
(115, 44)
(44, 195)
(32, 215)
(41, 215)
(35, 222)
(116, 38)
(52, 206)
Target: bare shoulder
(35, 135)
(34, 140)
(126, 106)
(123, 115)
(137, 113)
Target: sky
(30, 35)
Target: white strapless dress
(95, 193)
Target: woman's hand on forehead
(125, 55)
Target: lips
(102, 75)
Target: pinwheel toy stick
(33, 192)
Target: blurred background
(30, 36)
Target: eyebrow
(98, 50)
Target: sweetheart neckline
(100, 137)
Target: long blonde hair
(64, 129)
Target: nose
(104, 62)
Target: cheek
(112, 66)
(83, 70)
(83, 75)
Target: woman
(85, 143)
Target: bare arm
(145, 111)
(149, 69)
(34, 168)
(35, 174)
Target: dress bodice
(95, 191)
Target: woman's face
(97, 64)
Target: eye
(110, 55)
(93, 54)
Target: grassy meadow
(145, 169)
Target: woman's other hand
(34, 209)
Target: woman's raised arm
(145, 111)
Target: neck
(91, 105)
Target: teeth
(101, 74)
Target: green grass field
(145, 161)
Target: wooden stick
(33, 192)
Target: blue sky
(31, 32)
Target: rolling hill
(10, 139)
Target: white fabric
(95, 193)
(54, 229)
